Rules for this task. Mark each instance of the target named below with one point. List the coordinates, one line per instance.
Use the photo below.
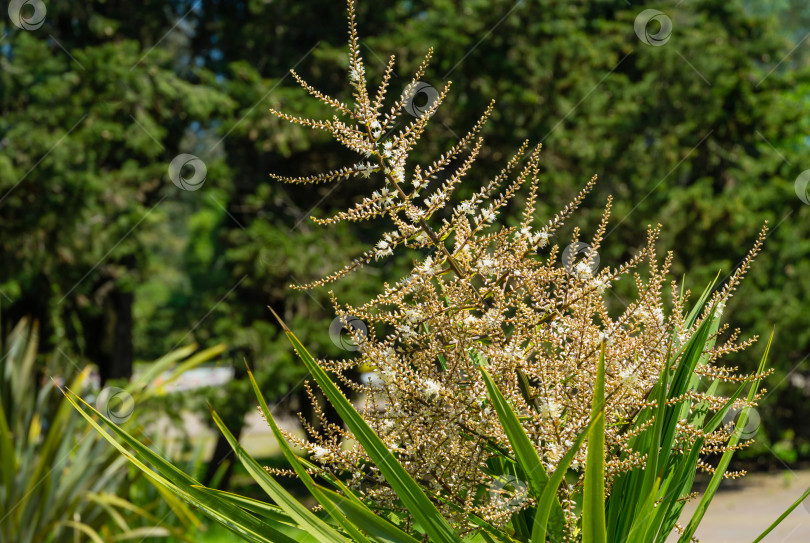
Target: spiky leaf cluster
(538, 315)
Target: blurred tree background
(705, 134)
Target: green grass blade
(654, 468)
(679, 481)
(85, 529)
(317, 492)
(525, 451)
(160, 365)
(698, 307)
(643, 519)
(303, 516)
(267, 510)
(549, 496)
(174, 480)
(783, 516)
(9, 463)
(593, 508)
(714, 483)
(378, 528)
(408, 491)
(198, 358)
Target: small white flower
(491, 318)
(467, 207)
(383, 248)
(543, 237)
(376, 134)
(513, 352)
(550, 409)
(364, 169)
(431, 388)
(406, 332)
(487, 215)
(375, 124)
(319, 453)
(412, 316)
(583, 269)
(486, 266)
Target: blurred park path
(256, 438)
(742, 509)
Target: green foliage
(59, 481)
(98, 101)
(593, 496)
(644, 516)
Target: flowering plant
(537, 314)
(510, 401)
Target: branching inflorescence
(501, 290)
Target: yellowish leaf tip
(281, 322)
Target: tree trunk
(116, 357)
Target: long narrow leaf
(593, 509)
(379, 528)
(305, 518)
(714, 483)
(264, 509)
(233, 518)
(416, 502)
(301, 471)
(783, 516)
(549, 496)
(679, 481)
(525, 451)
